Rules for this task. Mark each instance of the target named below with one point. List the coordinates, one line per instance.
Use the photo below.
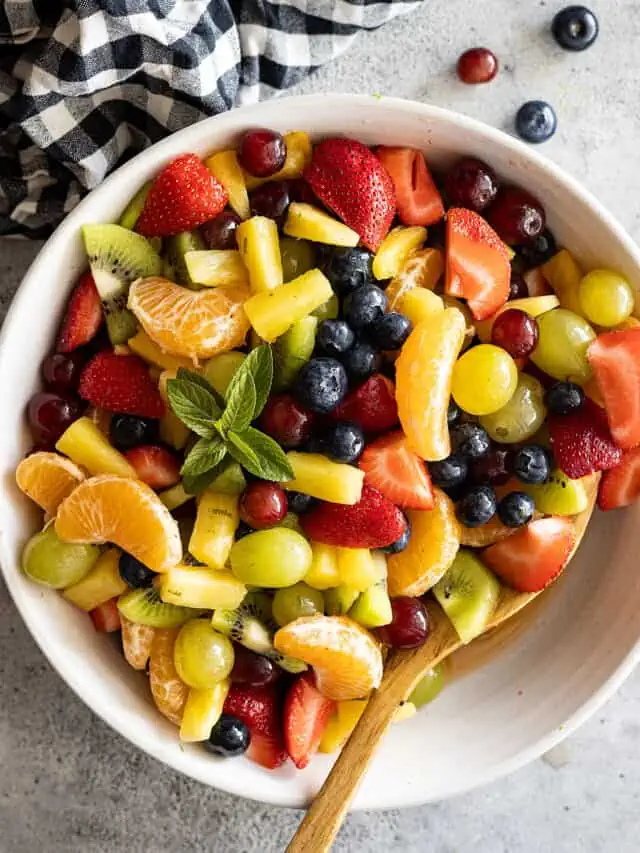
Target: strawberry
(259, 710)
(417, 197)
(306, 714)
(615, 359)
(373, 522)
(397, 472)
(350, 180)
(372, 406)
(156, 466)
(620, 486)
(183, 196)
(477, 263)
(106, 616)
(581, 441)
(83, 316)
(120, 383)
(533, 556)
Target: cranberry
(262, 504)
(61, 372)
(495, 469)
(517, 216)
(262, 152)
(516, 332)
(409, 626)
(471, 183)
(220, 232)
(286, 420)
(518, 287)
(50, 414)
(271, 199)
(252, 669)
(478, 65)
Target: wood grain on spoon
(403, 670)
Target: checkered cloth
(86, 84)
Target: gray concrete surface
(68, 784)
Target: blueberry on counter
(575, 28)
(390, 331)
(321, 384)
(536, 121)
(532, 464)
(516, 509)
(364, 306)
(361, 361)
(344, 442)
(229, 737)
(335, 337)
(477, 507)
(563, 398)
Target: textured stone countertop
(70, 785)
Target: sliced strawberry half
(477, 263)
(372, 405)
(83, 316)
(417, 197)
(620, 486)
(106, 617)
(615, 359)
(155, 465)
(259, 710)
(531, 558)
(121, 383)
(397, 472)
(581, 441)
(306, 714)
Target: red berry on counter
(478, 65)
(263, 504)
(262, 152)
(286, 420)
(409, 626)
(516, 332)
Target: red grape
(518, 287)
(262, 504)
(61, 372)
(286, 420)
(471, 183)
(495, 468)
(299, 190)
(409, 626)
(478, 65)
(516, 332)
(262, 152)
(252, 669)
(50, 414)
(220, 232)
(517, 216)
(271, 199)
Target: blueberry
(364, 306)
(538, 251)
(127, 431)
(322, 384)
(449, 472)
(390, 331)
(477, 507)
(454, 413)
(470, 440)
(516, 509)
(564, 397)
(344, 442)
(299, 503)
(243, 530)
(315, 444)
(536, 121)
(335, 337)
(575, 28)
(361, 361)
(401, 543)
(532, 464)
(229, 737)
(347, 269)
(134, 573)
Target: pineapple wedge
(298, 157)
(310, 223)
(395, 250)
(564, 275)
(202, 711)
(213, 533)
(357, 568)
(216, 267)
(142, 345)
(272, 314)
(83, 443)
(259, 247)
(321, 478)
(323, 573)
(225, 168)
(101, 584)
(201, 588)
(172, 430)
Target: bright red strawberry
(397, 472)
(615, 359)
(417, 197)
(183, 196)
(83, 316)
(581, 441)
(306, 714)
(373, 522)
(620, 486)
(259, 710)
(372, 406)
(533, 556)
(477, 263)
(349, 179)
(106, 617)
(155, 465)
(121, 383)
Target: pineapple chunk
(172, 430)
(357, 568)
(310, 223)
(175, 496)
(220, 370)
(321, 478)
(225, 167)
(201, 588)
(323, 573)
(216, 267)
(298, 157)
(260, 250)
(101, 584)
(564, 275)
(341, 724)
(213, 533)
(395, 250)
(202, 711)
(142, 345)
(418, 304)
(83, 443)
(272, 314)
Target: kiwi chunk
(340, 599)
(468, 593)
(145, 607)
(132, 211)
(559, 495)
(372, 608)
(176, 248)
(293, 350)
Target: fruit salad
(301, 388)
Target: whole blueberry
(454, 413)
(344, 441)
(449, 472)
(127, 431)
(575, 28)
(470, 440)
(539, 250)
(536, 121)
(364, 306)
(322, 384)
(390, 331)
(516, 509)
(477, 507)
(315, 444)
(563, 398)
(347, 269)
(361, 361)
(335, 337)
(532, 464)
(229, 737)
(401, 543)
(134, 573)
(299, 503)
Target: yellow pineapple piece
(259, 247)
(564, 275)
(418, 304)
(298, 157)
(201, 588)
(341, 724)
(102, 583)
(321, 478)
(172, 430)
(142, 345)
(202, 711)
(323, 573)
(225, 167)
(272, 313)
(358, 569)
(310, 223)
(396, 249)
(216, 267)
(175, 496)
(213, 534)
(87, 446)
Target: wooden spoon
(403, 669)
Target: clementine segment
(48, 478)
(423, 269)
(136, 642)
(168, 690)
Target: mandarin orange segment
(168, 690)
(109, 508)
(192, 323)
(424, 268)
(434, 543)
(136, 642)
(487, 534)
(48, 478)
(346, 658)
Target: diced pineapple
(175, 496)
(564, 275)
(202, 711)
(201, 588)
(357, 568)
(213, 532)
(310, 223)
(172, 430)
(323, 573)
(259, 247)
(225, 167)
(216, 267)
(298, 157)
(101, 584)
(272, 313)
(396, 248)
(419, 304)
(87, 446)
(221, 369)
(142, 345)
(341, 724)
(321, 478)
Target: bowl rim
(65, 231)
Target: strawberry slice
(259, 710)
(620, 486)
(106, 617)
(531, 558)
(581, 441)
(83, 316)
(306, 714)
(372, 406)
(120, 383)
(417, 197)
(477, 263)
(156, 466)
(183, 196)
(349, 179)
(397, 472)
(615, 359)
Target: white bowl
(547, 678)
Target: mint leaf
(260, 363)
(194, 405)
(197, 484)
(198, 379)
(259, 454)
(241, 403)
(205, 454)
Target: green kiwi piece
(372, 608)
(132, 211)
(145, 607)
(293, 350)
(468, 593)
(559, 495)
(340, 599)
(118, 257)
(176, 248)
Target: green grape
(429, 686)
(220, 369)
(329, 310)
(522, 416)
(564, 338)
(606, 298)
(484, 379)
(298, 257)
(201, 655)
(295, 601)
(51, 562)
(272, 558)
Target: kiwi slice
(176, 248)
(132, 211)
(117, 257)
(293, 350)
(559, 495)
(468, 593)
(145, 607)
(340, 599)
(372, 608)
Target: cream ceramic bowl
(540, 683)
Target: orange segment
(488, 534)
(192, 323)
(136, 642)
(168, 691)
(423, 269)
(434, 543)
(126, 512)
(346, 658)
(48, 479)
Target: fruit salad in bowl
(303, 384)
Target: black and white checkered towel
(85, 84)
